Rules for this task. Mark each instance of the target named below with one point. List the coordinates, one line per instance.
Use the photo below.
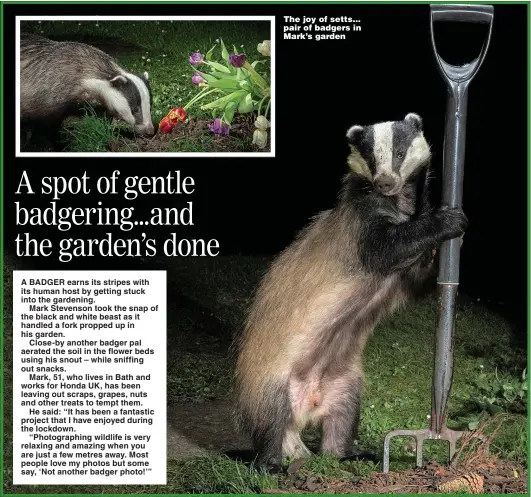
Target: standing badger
(57, 76)
(300, 357)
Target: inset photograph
(194, 86)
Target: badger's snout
(385, 184)
(145, 130)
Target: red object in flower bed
(174, 117)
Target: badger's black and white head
(127, 97)
(389, 153)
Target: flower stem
(260, 104)
(199, 96)
(267, 108)
(196, 97)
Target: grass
(162, 49)
(487, 379)
(91, 133)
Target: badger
(55, 77)
(299, 355)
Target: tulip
(196, 59)
(260, 138)
(262, 123)
(265, 48)
(237, 60)
(176, 115)
(219, 128)
(166, 126)
(197, 79)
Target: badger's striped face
(133, 101)
(388, 153)
(127, 97)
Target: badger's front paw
(452, 223)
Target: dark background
(255, 206)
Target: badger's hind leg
(279, 442)
(306, 407)
(340, 420)
(270, 422)
(293, 446)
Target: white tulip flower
(260, 138)
(262, 123)
(265, 48)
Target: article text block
(89, 377)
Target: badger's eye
(135, 110)
(400, 155)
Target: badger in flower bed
(55, 77)
(300, 355)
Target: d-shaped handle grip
(462, 13)
(482, 14)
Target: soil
(197, 136)
(198, 429)
(488, 476)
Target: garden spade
(457, 80)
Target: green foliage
(218, 475)
(496, 393)
(91, 133)
(239, 86)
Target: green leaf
(494, 409)
(473, 425)
(222, 75)
(208, 55)
(214, 113)
(209, 78)
(224, 52)
(256, 62)
(229, 112)
(245, 85)
(219, 67)
(246, 104)
(235, 49)
(225, 84)
(242, 73)
(220, 103)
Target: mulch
(194, 131)
(489, 476)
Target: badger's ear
(118, 80)
(415, 120)
(354, 134)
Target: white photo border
(19, 153)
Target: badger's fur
(300, 355)
(55, 77)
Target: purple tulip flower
(237, 60)
(196, 59)
(197, 79)
(219, 128)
